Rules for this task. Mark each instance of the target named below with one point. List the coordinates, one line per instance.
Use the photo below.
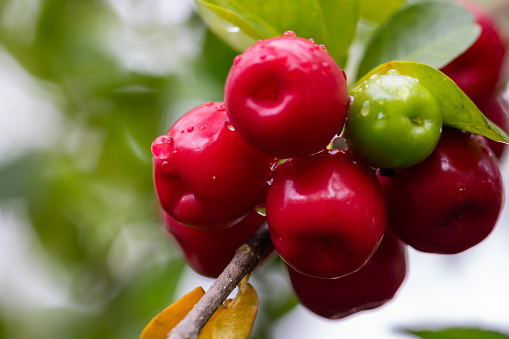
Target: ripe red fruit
(478, 69)
(286, 96)
(208, 252)
(449, 202)
(205, 175)
(326, 213)
(372, 286)
(497, 111)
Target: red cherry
(208, 252)
(326, 213)
(496, 110)
(372, 286)
(286, 96)
(478, 69)
(205, 175)
(449, 202)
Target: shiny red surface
(452, 200)
(286, 96)
(208, 252)
(372, 286)
(326, 213)
(478, 69)
(207, 176)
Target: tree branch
(244, 262)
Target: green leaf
(241, 23)
(459, 333)
(430, 32)
(379, 11)
(458, 110)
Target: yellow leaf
(234, 320)
(163, 323)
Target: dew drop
(173, 154)
(190, 129)
(162, 146)
(314, 67)
(229, 125)
(202, 127)
(374, 76)
(392, 72)
(165, 166)
(220, 107)
(366, 107)
(237, 59)
(208, 103)
(326, 66)
(378, 82)
(289, 34)
(322, 46)
(312, 40)
(344, 74)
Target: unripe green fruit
(393, 121)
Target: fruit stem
(244, 262)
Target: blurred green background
(85, 87)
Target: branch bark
(244, 262)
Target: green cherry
(393, 121)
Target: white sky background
(470, 289)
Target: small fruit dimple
(220, 107)
(190, 129)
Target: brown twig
(244, 262)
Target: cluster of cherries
(338, 219)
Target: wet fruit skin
(286, 96)
(451, 201)
(208, 252)
(205, 175)
(478, 69)
(372, 286)
(326, 213)
(393, 121)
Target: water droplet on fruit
(202, 127)
(289, 34)
(190, 129)
(261, 210)
(229, 125)
(165, 166)
(322, 46)
(326, 66)
(374, 76)
(344, 74)
(312, 40)
(237, 59)
(162, 146)
(314, 67)
(461, 194)
(392, 72)
(220, 107)
(208, 103)
(378, 82)
(173, 154)
(366, 107)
